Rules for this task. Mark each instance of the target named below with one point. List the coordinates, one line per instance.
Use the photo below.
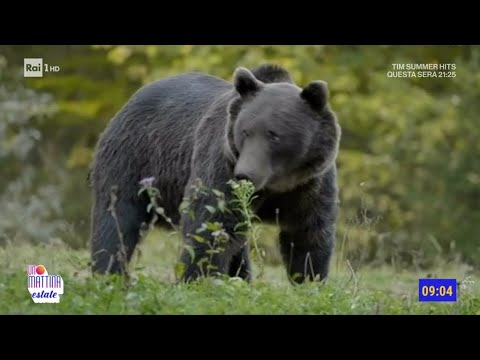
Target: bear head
(278, 135)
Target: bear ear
(316, 94)
(245, 82)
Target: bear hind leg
(115, 234)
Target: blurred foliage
(409, 167)
(30, 199)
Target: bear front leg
(203, 259)
(307, 228)
(306, 254)
(240, 265)
(211, 245)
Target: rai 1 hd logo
(43, 287)
(35, 67)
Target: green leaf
(212, 251)
(210, 209)
(214, 226)
(212, 267)
(179, 270)
(202, 261)
(296, 276)
(221, 205)
(218, 193)
(184, 205)
(198, 238)
(190, 251)
(202, 228)
(239, 225)
(233, 184)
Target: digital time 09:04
(436, 291)
(431, 289)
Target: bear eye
(245, 133)
(273, 136)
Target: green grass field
(153, 290)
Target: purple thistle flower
(147, 182)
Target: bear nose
(242, 176)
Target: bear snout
(242, 176)
(258, 178)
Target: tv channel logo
(44, 288)
(33, 67)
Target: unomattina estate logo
(43, 287)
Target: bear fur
(263, 128)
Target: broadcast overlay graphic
(44, 288)
(35, 67)
(442, 290)
(437, 290)
(430, 70)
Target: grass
(153, 290)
